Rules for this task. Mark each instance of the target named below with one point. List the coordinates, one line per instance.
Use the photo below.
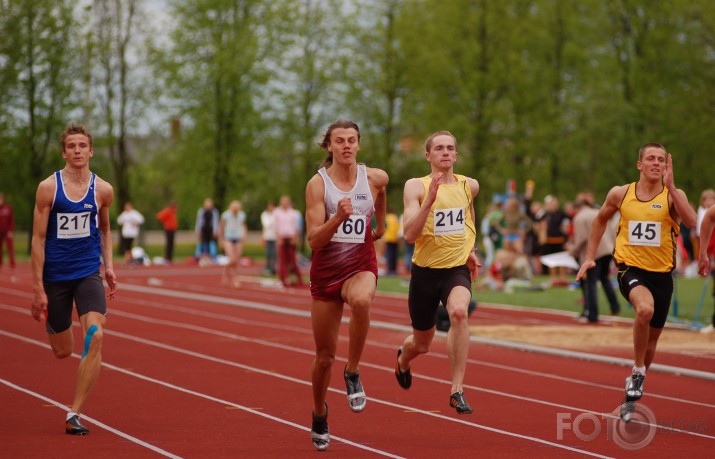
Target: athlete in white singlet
(341, 201)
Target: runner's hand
(473, 264)
(39, 305)
(111, 279)
(344, 210)
(588, 264)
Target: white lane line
(304, 331)
(308, 332)
(294, 380)
(311, 352)
(405, 329)
(87, 419)
(195, 393)
(669, 369)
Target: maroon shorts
(333, 292)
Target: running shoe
(319, 433)
(634, 387)
(404, 378)
(74, 427)
(627, 410)
(356, 394)
(459, 403)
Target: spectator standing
(513, 226)
(535, 211)
(287, 232)
(207, 222)
(409, 247)
(168, 218)
(130, 220)
(7, 228)
(582, 222)
(268, 235)
(555, 228)
(706, 257)
(392, 241)
(707, 199)
(232, 231)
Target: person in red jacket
(7, 227)
(168, 219)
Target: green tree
(214, 75)
(38, 93)
(113, 31)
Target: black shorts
(660, 286)
(87, 293)
(125, 244)
(429, 286)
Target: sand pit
(593, 337)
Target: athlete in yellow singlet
(439, 220)
(651, 210)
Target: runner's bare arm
(105, 194)
(416, 207)
(41, 215)
(320, 230)
(609, 208)
(378, 183)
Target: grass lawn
(567, 299)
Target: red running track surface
(194, 369)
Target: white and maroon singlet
(351, 249)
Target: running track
(192, 369)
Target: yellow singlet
(647, 233)
(449, 232)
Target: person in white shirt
(269, 237)
(130, 220)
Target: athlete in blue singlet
(71, 236)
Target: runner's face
(652, 165)
(77, 151)
(443, 152)
(344, 145)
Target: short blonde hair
(428, 142)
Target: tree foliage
(557, 91)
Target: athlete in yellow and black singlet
(647, 233)
(449, 233)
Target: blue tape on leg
(88, 339)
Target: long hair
(337, 124)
